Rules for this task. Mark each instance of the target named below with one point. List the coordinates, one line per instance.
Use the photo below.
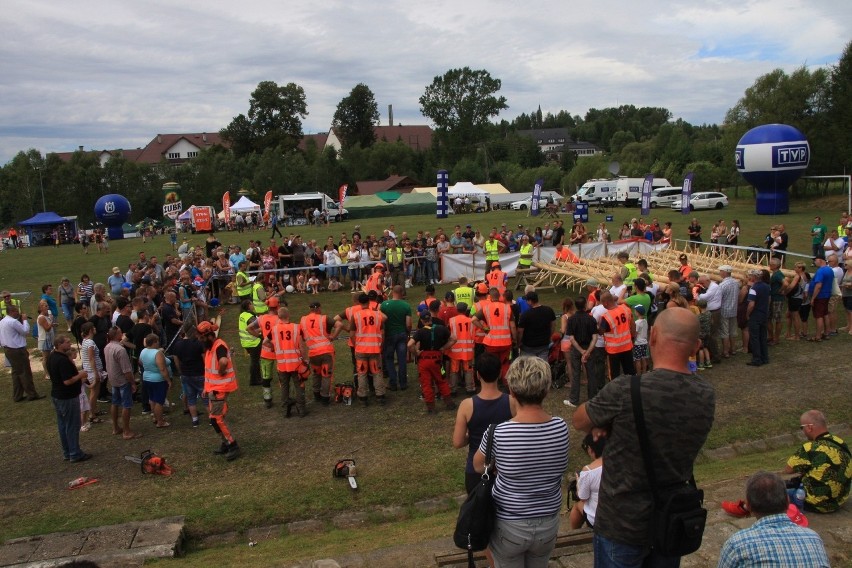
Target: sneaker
(708, 365)
(736, 508)
(85, 427)
(569, 404)
(82, 458)
(195, 422)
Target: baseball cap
(726, 268)
(206, 327)
(640, 309)
(592, 282)
(380, 265)
(116, 270)
(482, 288)
(313, 305)
(450, 296)
(272, 301)
(468, 226)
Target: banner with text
(646, 194)
(686, 195)
(202, 219)
(226, 206)
(536, 196)
(443, 200)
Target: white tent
(244, 205)
(466, 189)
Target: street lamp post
(41, 184)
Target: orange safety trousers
(217, 409)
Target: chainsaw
(346, 468)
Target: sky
(108, 75)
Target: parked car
(704, 200)
(665, 196)
(335, 213)
(524, 204)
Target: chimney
(390, 115)
(159, 139)
(204, 137)
(80, 148)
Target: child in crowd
(704, 323)
(640, 342)
(334, 284)
(301, 284)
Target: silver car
(704, 200)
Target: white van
(629, 190)
(595, 190)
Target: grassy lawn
(403, 454)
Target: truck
(595, 191)
(628, 191)
(292, 208)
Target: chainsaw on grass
(151, 463)
(346, 468)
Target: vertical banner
(226, 207)
(202, 218)
(443, 198)
(267, 202)
(646, 195)
(341, 196)
(172, 205)
(686, 195)
(536, 196)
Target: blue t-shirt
(759, 294)
(825, 275)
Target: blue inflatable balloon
(113, 210)
(771, 157)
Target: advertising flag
(226, 206)
(201, 217)
(646, 194)
(267, 201)
(443, 198)
(341, 196)
(536, 197)
(171, 195)
(686, 195)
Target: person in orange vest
(496, 319)
(289, 357)
(368, 329)
(376, 280)
(496, 278)
(460, 349)
(481, 296)
(426, 345)
(262, 327)
(317, 333)
(618, 329)
(564, 254)
(13, 236)
(219, 381)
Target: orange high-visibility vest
(313, 328)
(350, 317)
(267, 323)
(374, 282)
(496, 279)
(213, 380)
(617, 339)
(497, 316)
(368, 327)
(285, 338)
(478, 334)
(461, 329)
(566, 255)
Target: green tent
(388, 196)
(366, 206)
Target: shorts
(805, 312)
(793, 304)
(193, 388)
(728, 327)
(123, 396)
(776, 310)
(847, 303)
(156, 391)
(832, 304)
(819, 307)
(640, 352)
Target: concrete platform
(128, 544)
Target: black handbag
(678, 517)
(477, 514)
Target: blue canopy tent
(39, 228)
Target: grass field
(403, 455)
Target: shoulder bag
(476, 517)
(678, 517)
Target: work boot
(289, 412)
(317, 397)
(268, 402)
(326, 400)
(222, 449)
(382, 400)
(234, 452)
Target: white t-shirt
(597, 312)
(641, 332)
(617, 291)
(588, 485)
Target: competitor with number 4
(496, 319)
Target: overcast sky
(108, 75)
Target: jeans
(68, 423)
(432, 270)
(611, 554)
(524, 543)
(396, 344)
(68, 312)
(758, 341)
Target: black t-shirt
(167, 314)
(432, 338)
(558, 235)
(61, 369)
(210, 246)
(536, 323)
(102, 326)
(582, 326)
(288, 256)
(124, 323)
(190, 355)
(137, 335)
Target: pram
(556, 360)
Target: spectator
(588, 484)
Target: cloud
(110, 75)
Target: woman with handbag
(531, 455)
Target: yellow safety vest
(526, 256)
(260, 306)
(464, 294)
(492, 251)
(632, 273)
(245, 288)
(247, 340)
(394, 257)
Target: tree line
(463, 106)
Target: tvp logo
(790, 156)
(739, 158)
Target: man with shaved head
(824, 464)
(678, 408)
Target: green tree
(355, 117)
(460, 104)
(274, 119)
(840, 110)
